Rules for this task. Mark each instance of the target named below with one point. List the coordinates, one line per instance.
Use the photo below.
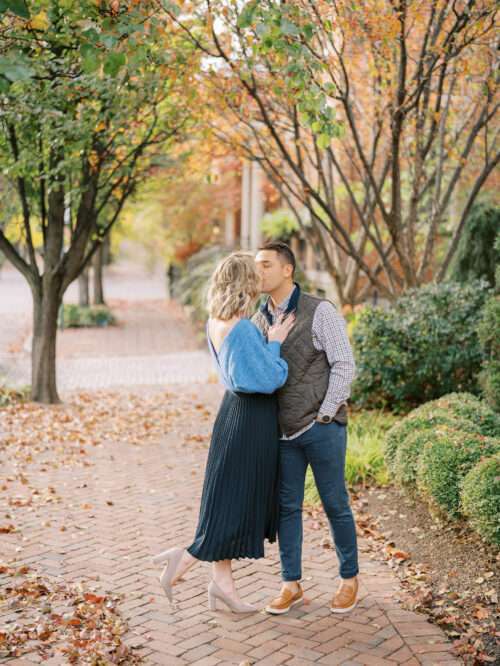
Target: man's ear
(288, 270)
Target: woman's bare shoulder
(219, 328)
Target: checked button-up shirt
(329, 334)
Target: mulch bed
(446, 571)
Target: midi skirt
(240, 497)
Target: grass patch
(365, 463)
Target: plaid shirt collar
(288, 305)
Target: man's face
(272, 270)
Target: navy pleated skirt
(239, 503)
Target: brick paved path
(154, 491)
(136, 499)
(151, 345)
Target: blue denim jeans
(324, 448)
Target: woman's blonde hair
(234, 286)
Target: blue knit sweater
(247, 362)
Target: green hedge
(468, 407)
(76, 316)
(489, 337)
(445, 460)
(480, 498)
(404, 467)
(461, 411)
(417, 422)
(425, 345)
(437, 445)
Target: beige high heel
(172, 557)
(214, 593)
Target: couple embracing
(287, 371)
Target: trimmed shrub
(461, 411)
(422, 347)
(419, 422)
(408, 453)
(445, 460)
(488, 331)
(406, 457)
(76, 316)
(468, 407)
(480, 498)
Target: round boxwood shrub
(425, 345)
(407, 455)
(418, 422)
(408, 452)
(462, 411)
(480, 498)
(445, 460)
(469, 407)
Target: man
(313, 423)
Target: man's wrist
(340, 415)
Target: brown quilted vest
(308, 369)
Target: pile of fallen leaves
(469, 619)
(47, 616)
(54, 619)
(95, 418)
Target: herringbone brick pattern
(134, 501)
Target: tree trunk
(98, 270)
(83, 289)
(46, 305)
(107, 256)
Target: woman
(239, 504)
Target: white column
(246, 205)
(257, 208)
(229, 228)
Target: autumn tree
(176, 222)
(92, 95)
(376, 118)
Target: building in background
(242, 227)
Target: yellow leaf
(93, 160)
(39, 22)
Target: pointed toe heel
(212, 603)
(161, 557)
(172, 557)
(215, 593)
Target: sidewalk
(152, 344)
(108, 479)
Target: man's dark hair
(283, 250)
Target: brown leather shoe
(345, 598)
(285, 601)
